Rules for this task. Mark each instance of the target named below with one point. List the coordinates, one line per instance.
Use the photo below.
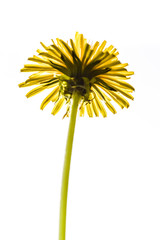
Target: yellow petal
(89, 110)
(105, 98)
(101, 47)
(40, 88)
(77, 43)
(65, 49)
(73, 47)
(116, 53)
(54, 53)
(100, 107)
(88, 56)
(53, 41)
(81, 110)
(101, 94)
(110, 107)
(93, 52)
(99, 53)
(110, 62)
(55, 97)
(85, 52)
(23, 84)
(28, 83)
(120, 73)
(121, 99)
(38, 60)
(109, 49)
(105, 60)
(119, 66)
(35, 91)
(107, 76)
(44, 46)
(36, 67)
(58, 105)
(49, 97)
(95, 108)
(40, 75)
(50, 56)
(81, 46)
(95, 46)
(122, 102)
(55, 49)
(125, 93)
(39, 51)
(120, 83)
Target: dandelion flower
(93, 71)
(84, 77)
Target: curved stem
(66, 168)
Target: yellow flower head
(92, 70)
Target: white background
(114, 190)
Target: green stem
(66, 168)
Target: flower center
(69, 85)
